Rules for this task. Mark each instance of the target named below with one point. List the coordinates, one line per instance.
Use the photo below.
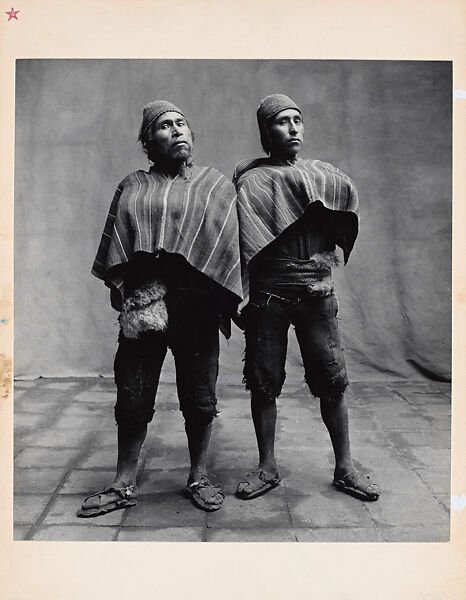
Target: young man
(170, 255)
(292, 214)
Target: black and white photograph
(232, 300)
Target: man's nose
(176, 130)
(293, 128)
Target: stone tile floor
(65, 449)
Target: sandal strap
(360, 481)
(252, 476)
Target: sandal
(202, 494)
(255, 484)
(95, 505)
(358, 485)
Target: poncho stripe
(194, 217)
(272, 197)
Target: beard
(178, 154)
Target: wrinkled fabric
(192, 336)
(272, 197)
(268, 319)
(195, 218)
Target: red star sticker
(12, 14)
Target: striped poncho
(272, 197)
(193, 217)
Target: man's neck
(278, 159)
(172, 168)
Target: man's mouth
(179, 143)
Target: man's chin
(181, 153)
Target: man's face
(171, 137)
(286, 133)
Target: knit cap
(271, 105)
(152, 111)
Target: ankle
(268, 466)
(197, 473)
(341, 470)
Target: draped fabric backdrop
(387, 124)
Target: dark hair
(265, 139)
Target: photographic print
(262, 352)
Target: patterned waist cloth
(313, 275)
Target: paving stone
(406, 422)
(155, 482)
(445, 500)
(83, 423)
(328, 509)
(86, 410)
(425, 456)
(226, 459)
(60, 385)
(227, 479)
(86, 482)
(419, 399)
(431, 438)
(322, 457)
(420, 533)
(63, 512)
(362, 424)
(339, 534)
(373, 439)
(265, 511)
(166, 534)
(435, 410)
(441, 386)
(20, 531)
(263, 534)
(30, 405)
(75, 533)
(400, 481)
(442, 423)
(59, 438)
(177, 458)
(310, 440)
(24, 384)
(96, 397)
(165, 510)
(46, 457)
(102, 439)
(29, 507)
(37, 480)
(307, 481)
(28, 420)
(438, 480)
(391, 437)
(400, 409)
(398, 509)
(413, 385)
(100, 458)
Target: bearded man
(292, 214)
(169, 253)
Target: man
(169, 253)
(292, 214)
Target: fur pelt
(324, 261)
(145, 310)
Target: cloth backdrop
(387, 124)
